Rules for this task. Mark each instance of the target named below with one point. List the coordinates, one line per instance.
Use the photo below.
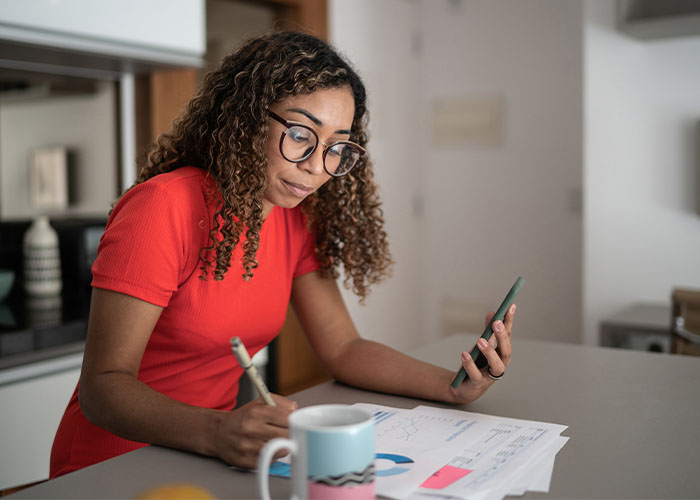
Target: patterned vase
(42, 262)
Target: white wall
(642, 185)
(490, 213)
(378, 37)
(514, 207)
(496, 212)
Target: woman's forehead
(333, 107)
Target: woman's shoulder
(180, 178)
(184, 184)
(184, 192)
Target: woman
(257, 196)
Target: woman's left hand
(497, 351)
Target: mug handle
(270, 448)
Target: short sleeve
(143, 252)
(307, 258)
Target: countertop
(631, 417)
(37, 330)
(42, 335)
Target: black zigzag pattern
(351, 478)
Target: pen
(244, 360)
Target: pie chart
(398, 464)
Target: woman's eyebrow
(316, 121)
(308, 115)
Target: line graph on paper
(421, 428)
(381, 415)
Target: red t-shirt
(150, 250)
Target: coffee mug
(332, 453)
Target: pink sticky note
(444, 477)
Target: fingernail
(483, 343)
(498, 326)
(512, 309)
(464, 356)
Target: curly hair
(224, 130)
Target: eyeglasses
(298, 143)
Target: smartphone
(476, 354)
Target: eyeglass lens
(341, 158)
(299, 143)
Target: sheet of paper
(435, 453)
(411, 445)
(537, 476)
(534, 476)
(481, 456)
(499, 454)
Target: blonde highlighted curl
(224, 132)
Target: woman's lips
(298, 190)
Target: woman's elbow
(88, 400)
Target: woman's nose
(314, 163)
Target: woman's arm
(112, 397)
(350, 359)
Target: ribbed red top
(150, 250)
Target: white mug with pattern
(332, 453)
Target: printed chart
(430, 452)
(433, 453)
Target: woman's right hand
(243, 432)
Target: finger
(251, 427)
(504, 348)
(470, 367)
(496, 365)
(280, 401)
(281, 453)
(286, 403)
(508, 320)
(244, 461)
(248, 456)
(487, 321)
(493, 340)
(273, 416)
(262, 421)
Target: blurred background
(551, 139)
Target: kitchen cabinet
(164, 75)
(652, 20)
(30, 411)
(169, 31)
(67, 72)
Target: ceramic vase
(42, 262)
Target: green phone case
(475, 353)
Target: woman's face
(330, 113)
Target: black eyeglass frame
(326, 147)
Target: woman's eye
(336, 150)
(298, 134)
